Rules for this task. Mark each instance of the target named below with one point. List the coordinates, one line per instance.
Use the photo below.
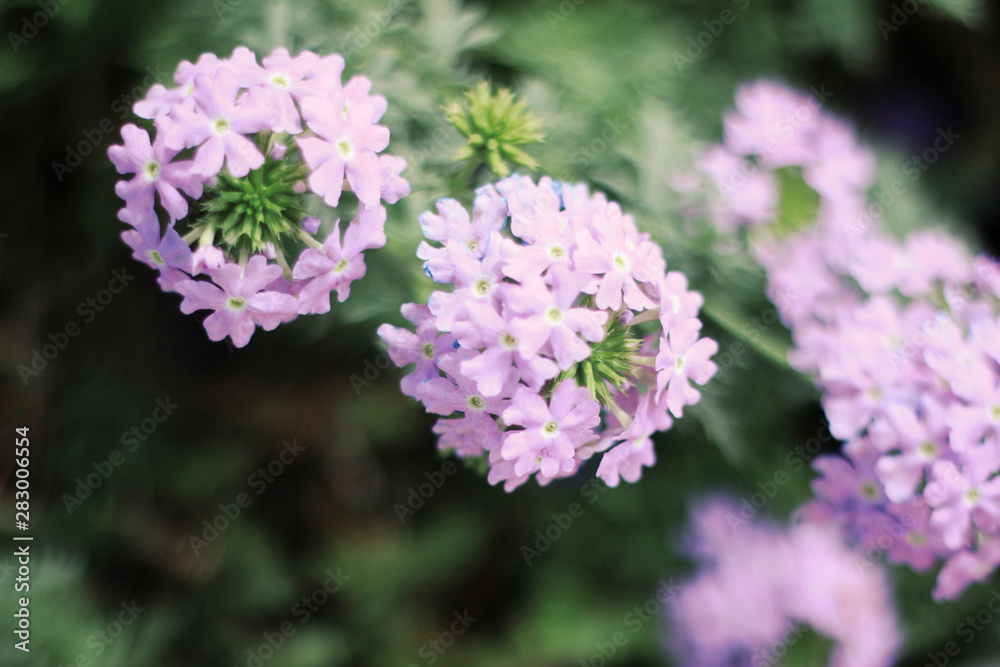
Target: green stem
(766, 347)
(647, 316)
(309, 240)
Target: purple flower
(683, 358)
(338, 265)
(346, 145)
(154, 171)
(217, 126)
(240, 300)
(551, 432)
(620, 261)
(546, 317)
(758, 586)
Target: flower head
(561, 368)
(237, 148)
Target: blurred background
(148, 563)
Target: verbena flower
(758, 586)
(900, 336)
(543, 351)
(240, 149)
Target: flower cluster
(237, 146)
(758, 585)
(561, 336)
(902, 337)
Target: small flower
(154, 171)
(240, 300)
(551, 432)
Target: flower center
(550, 428)
(869, 490)
(156, 257)
(679, 364)
(344, 149)
(236, 303)
(152, 170)
(508, 341)
(554, 315)
(995, 414)
(928, 451)
(473, 245)
(971, 497)
(557, 253)
(675, 304)
(620, 262)
(341, 265)
(482, 286)
(916, 539)
(279, 81)
(477, 402)
(221, 126)
(259, 209)
(429, 350)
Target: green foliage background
(583, 66)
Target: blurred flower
(545, 347)
(899, 335)
(494, 125)
(758, 584)
(240, 190)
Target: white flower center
(220, 126)
(344, 149)
(152, 170)
(279, 81)
(554, 315)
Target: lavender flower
(757, 584)
(226, 170)
(900, 336)
(544, 351)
